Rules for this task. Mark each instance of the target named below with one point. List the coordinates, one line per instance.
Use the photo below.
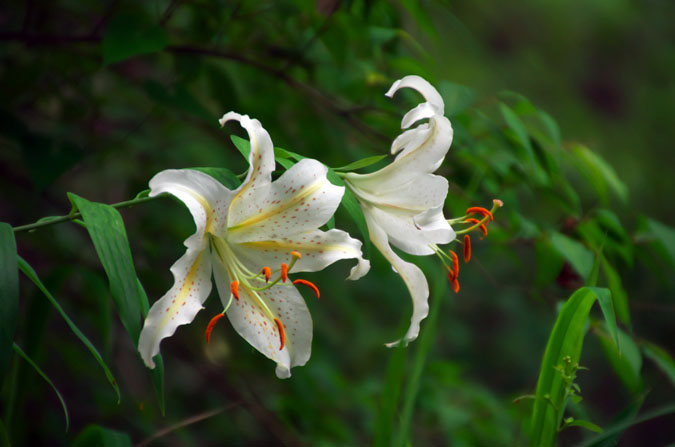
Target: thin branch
(185, 422)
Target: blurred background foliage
(97, 97)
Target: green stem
(73, 216)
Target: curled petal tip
(230, 116)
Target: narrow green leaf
(391, 390)
(522, 137)
(37, 369)
(662, 359)
(106, 229)
(439, 288)
(225, 176)
(95, 435)
(283, 153)
(286, 163)
(599, 172)
(620, 427)
(9, 294)
(588, 425)
(627, 363)
(364, 162)
(566, 340)
(128, 35)
(575, 253)
(665, 235)
(619, 296)
(32, 275)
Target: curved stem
(73, 216)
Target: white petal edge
(421, 85)
(180, 305)
(204, 196)
(412, 277)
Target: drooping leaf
(107, 232)
(9, 293)
(588, 425)
(619, 295)
(574, 252)
(128, 34)
(95, 435)
(662, 359)
(37, 369)
(566, 340)
(627, 363)
(665, 236)
(601, 175)
(32, 275)
(523, 138)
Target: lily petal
(319, 249)
(422, 86)
(412, 276)
(204, 196)
(192, 285)
(252, 321)
(301, 199)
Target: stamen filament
(310, 285)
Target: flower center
(242, 278)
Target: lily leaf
(364, 162)
(37, 369)
(101, 436)
(32, 275)
(566, 340)
(9, 293)
(106, 229)
(576, 254)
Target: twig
(185, 422)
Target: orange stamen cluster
(212, 323)
(480, 210)
(482, 227)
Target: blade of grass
(32, 275)
(37, 369)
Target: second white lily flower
(403, 202)
(241, 236)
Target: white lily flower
(403, 202)
(240, 234)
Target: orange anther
(234, 287)
(282, 335)
(308, 284)
(267, 272)
(480, 210)
(284, 272)
(296, 254)
(455, 264)
(482, 226)
(455, 285)
(467, 248)
(212, 323)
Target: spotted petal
(192, 285)
(302, 199)
(318, 248)
(253, 314)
